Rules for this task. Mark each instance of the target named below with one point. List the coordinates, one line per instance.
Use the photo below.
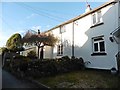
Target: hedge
(38, 68)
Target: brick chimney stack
(38, 31)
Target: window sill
(59, 55)
(97, 24)
(98, 54)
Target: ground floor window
(98, 45)
(60, 50)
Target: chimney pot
(88, 8)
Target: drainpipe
(38, 51)
(38, 45)
(73, 40)
(61, 34)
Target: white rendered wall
(48, 52)
(119, 25)
(83, 39)
(28, 49)
(110, 23)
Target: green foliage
(65, 58)
(20, 57)
(14, 42)
(55, 66)
(32, 54)
(4, 49)
(20, 62)
(37, 68)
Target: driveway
(9, 81)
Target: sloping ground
(82, 79)
(10, 81)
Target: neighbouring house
(28, 48)
(93, 35)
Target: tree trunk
(41, 53)
(38, 51)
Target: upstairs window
(98, 45)
(94, 18)
(60, 50)
(62, 29)
(97, 17)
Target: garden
(24, 66)
(61, 73)
(82, 79)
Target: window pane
(58, 49)
(61, 49)
(94, 18)
(95, 46)
(61, 53)
(62, 29)
(99, 16)
(98, 39)
(102, 46)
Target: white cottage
(94, 36)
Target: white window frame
(98, 42)
(98, 20)
(60, 50)
(94, 18)
(62, 29)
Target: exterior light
(111, 39)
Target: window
(62, 29)
(98, 45)
(60, 50)
(97, 17)
(94, 18)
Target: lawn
(82, 79)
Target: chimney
(88, 8)
(38, 31)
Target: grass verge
(82, 79)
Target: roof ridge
(84, 14)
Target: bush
(55, 66)
(19, 57)
(71, 64)
(37, 68)
(20, 62)
(65, 58)
(32, 54)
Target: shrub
(32, 54)
(20, 62)
(65, 58)
(65, 64)
(37, 68)
(19, 57)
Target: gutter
(83, 15)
